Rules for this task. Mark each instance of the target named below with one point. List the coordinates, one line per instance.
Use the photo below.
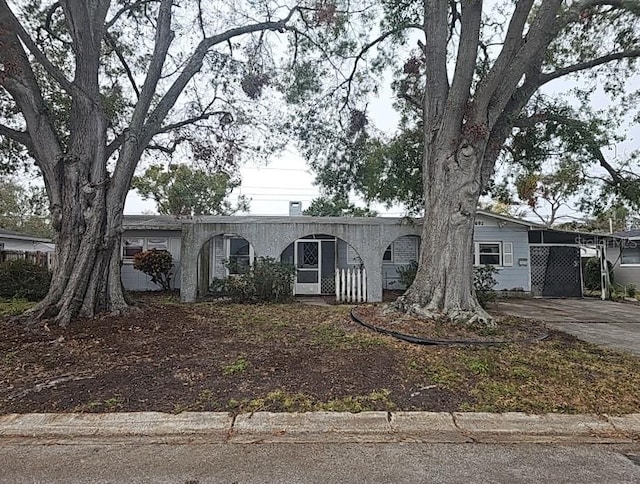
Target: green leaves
(181, 190)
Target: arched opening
(398, 260)
(222, 256)
(316, 258)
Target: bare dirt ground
(173, 357)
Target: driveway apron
(611, 324)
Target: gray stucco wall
(403, 251)
(21, 245)
(269, 236)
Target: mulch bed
(173, 357)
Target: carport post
(605, 281)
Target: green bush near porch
(267, 280)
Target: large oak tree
(469, 114)
(87, 87)
(471, 82)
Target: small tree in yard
(157, 264)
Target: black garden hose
(440, 342)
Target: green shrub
(483, 283)
(157, 264)
(407, 273)
(592, 274)
(24, 279)
(267, 280)
(631, 290)
(483, 280)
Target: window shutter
(507, 254)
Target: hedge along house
(206, 248)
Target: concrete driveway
(612, 324)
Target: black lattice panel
(555, 271)
(539, 258)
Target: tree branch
(435, 50)
(40, 57)
(550, 76)
(21, 137)
(186, 122)
(111, 41)
(528, 57)
(349, 80)
(465, 64)
(126, 9)
(512, 43)
(194, 65)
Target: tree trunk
(443, 286)
(86, 276)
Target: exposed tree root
(476, 315)
(49, 384)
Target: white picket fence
(351, 285)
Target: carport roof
(629, 234)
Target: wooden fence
(44, 259)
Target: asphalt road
(22, 461)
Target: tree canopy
(184, 191)
(551, 130)
(24, 209)
(88, 88)
(336, 207)
(473, 84)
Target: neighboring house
(16, 245)
(625, 257)
(529, 258)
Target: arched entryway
(222, 256)
(316, 258)
(398, 258)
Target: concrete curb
(373, 427)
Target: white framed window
(630, 255)
(157, 243)
(131, 247)
(239, 255)
(388, 255)
(493, 254)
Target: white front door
(308, 263)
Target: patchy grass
(283, 401)
(14, 307)
(174, 357)
(238, 366)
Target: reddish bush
(157, 264)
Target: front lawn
(174, 357)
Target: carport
(556, 268)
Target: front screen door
(308, 264)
